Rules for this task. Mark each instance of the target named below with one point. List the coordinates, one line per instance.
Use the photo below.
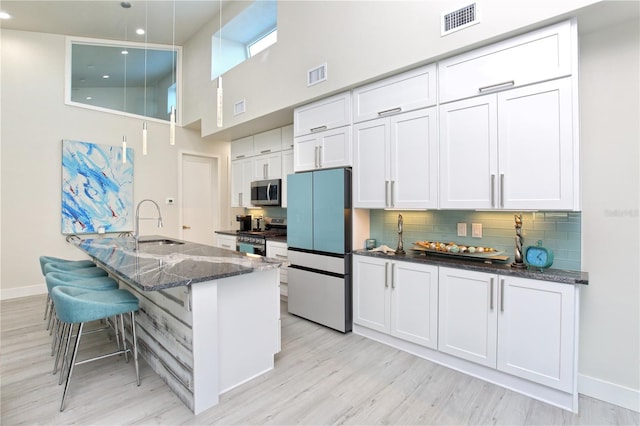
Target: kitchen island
(209, 318)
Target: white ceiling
(109, 20)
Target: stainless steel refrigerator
(319, 242)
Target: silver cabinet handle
(392, 200)
(497, 86)
(281, 256)
(393, 275)
(389, 111)
(240, 156)
(318, 129)
(491, 295)
(493, 190)
(226, 246)
(320, 156)
(501, 295)
(315, 159)
(265, 151)
(501, 189)
(386, 274)
(240, 198)
(386, 193)
(264, 171)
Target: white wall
(34, 121)
(610, 320)
(359, 40)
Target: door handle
(186, 227)
(269, 192)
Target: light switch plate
(462, 229)
(476, 230)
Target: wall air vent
(239, 107)
(317, 75)
(460, 18)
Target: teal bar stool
(76, 306)
(87, 272)
(55, 279)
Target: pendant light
(144, 123)
(219, 101)
(172, 116)
(124, 150)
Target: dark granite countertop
(278, 238)
(233, 232)
(154, 266)
(555, 275)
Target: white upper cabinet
(325, 114)
(537, 56)
(323, 150)
(396, 161)
(242, 148)
(241, 176)
(405, 92)
(267, 142)
(267, 166)
(511, 150)
(287, 137)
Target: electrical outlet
(462, 229)
(170, 201)
(476, 230)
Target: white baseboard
(16, 292)
(609, 392)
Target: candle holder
(518, 261)
(400, 249)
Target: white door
(414, 159)
(536, 331)
(199, 186)
(371, 286)
(467, 315)
(414, 303)
(469, 153)
(535, 147)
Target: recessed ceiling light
(4, 15)
(88, 98)
(140, 31)
(105, 76)
(125, 52)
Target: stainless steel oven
(250, 243)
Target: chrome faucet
(136, 232)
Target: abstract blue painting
(97, 188)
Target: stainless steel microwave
(266, 192)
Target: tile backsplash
(559, 231)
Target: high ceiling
(109, 20)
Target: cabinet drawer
(401, 93)
(329, 113)
(276, 250)
(267, 142)
(242, 148)
(536, 56)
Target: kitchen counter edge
(555, 275)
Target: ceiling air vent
(317, 75)
(460, 18)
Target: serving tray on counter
(486, 256)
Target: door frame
(215, 185)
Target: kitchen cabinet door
(467, 315)
(414, 303)
(401, 93)
(537, 154)
(267, 142)
(325, 114)
(241, 176)
(267, 166)
(371, 168)
(242, 148)
(414, 159)
(323, 150)
(396, 161)
(537, 56)
(537, 332)
(469, 153)
(371, 293)
(227, 242)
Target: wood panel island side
(209, 318)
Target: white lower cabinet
(278, 250)
(398, 298)
(520, 326)
(226, 241)
(517, 332)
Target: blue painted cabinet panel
(299, 210)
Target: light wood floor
(321, 377)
